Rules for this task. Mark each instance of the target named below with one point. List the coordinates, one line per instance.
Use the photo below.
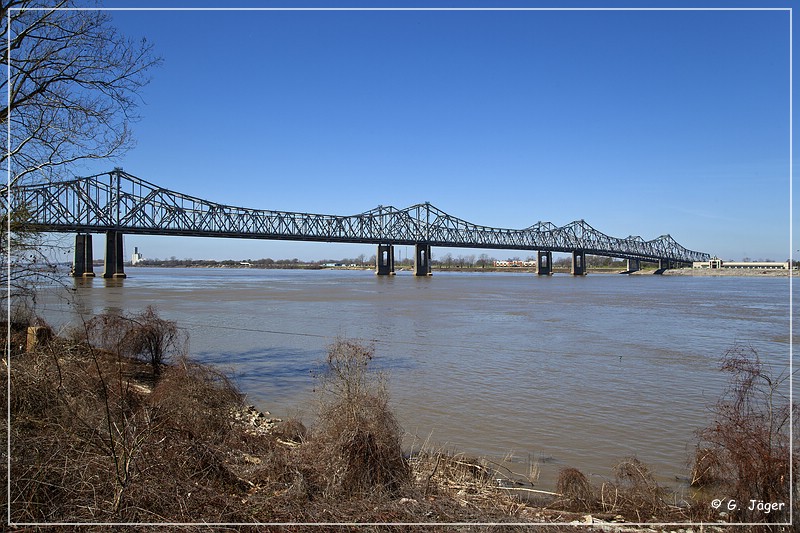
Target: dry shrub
(195, 399)
(21, 316)
(90, 444)
(74, 424)
(576, 490)
(708, 469)
(634, 493)
(291, 431)
(276, 467)
(144, 336)
(637, 489)
(745, 452)
(449, 473)
(356, 448)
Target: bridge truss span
(120, 202)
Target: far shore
(745, 272)
(748, 272)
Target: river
(562, 370)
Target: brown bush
(356, 447)
(195, 399)
(575, 489)
(638, 490)
(709, 469)
(89, 443)
(745, 451)
(144, 336)
(70, 423)
(291, 431)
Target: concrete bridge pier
(114, 261)
(663, 264)
(544, 264)
(633, 266)
(578, 263)
(422, 260)
(384, 260)
(82, 265)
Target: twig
(436, 466)
(534, 490)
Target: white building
(136, 257)
(760, 265)
(515, 263)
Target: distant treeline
(446, 261)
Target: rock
(251, 459)
(256, 422)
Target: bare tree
(32, 264)
(73, 87)
(448, 260)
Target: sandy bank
(743, 272)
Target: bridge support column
(384, 260)
(422, 260)
(544, 263)
(663, 264)
(82, 265)
(633, 265)
(114, 262)
(578, 263)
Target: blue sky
(639, 122)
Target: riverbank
(102, 435)
(398, 268)
(731, 272)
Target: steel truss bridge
(117, 202)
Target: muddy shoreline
(731, 272)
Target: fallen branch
(537, 491)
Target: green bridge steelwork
(117, 202)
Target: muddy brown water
(557, 370)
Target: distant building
(136, 257)
(515, 263)
(760, 265)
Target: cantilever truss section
(118, 201)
